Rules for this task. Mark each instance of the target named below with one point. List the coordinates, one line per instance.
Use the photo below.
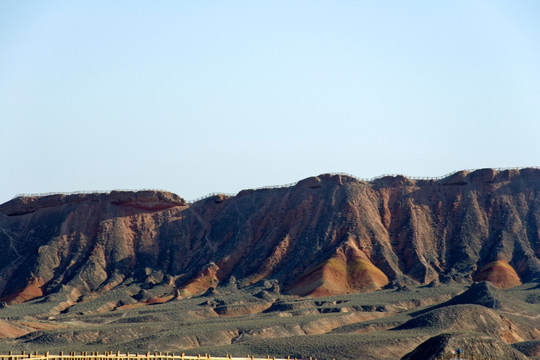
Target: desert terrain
(330, 267)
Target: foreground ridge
(127, 356)
(171, 356)
(464, 356)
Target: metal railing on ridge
(416, 178)
(82, 192)
(436, 178)
(234, 194)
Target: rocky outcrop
(530, 348)
(471, 345)
(329, 234)
(147, 200)
(485, 294)
(471, 319)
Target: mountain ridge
(324, 235)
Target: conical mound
(483, 293)
(500, 273)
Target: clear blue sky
(205, 96)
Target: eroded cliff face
(330, 234)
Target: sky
(196, 97)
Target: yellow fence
(127, 356)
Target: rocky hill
(332, 267)
(330, 234)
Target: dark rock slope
(330, 234)
(442, 345)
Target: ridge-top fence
(128, 356)
(416, 178)
(84, 192)
(436, 178)
(210, 195)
